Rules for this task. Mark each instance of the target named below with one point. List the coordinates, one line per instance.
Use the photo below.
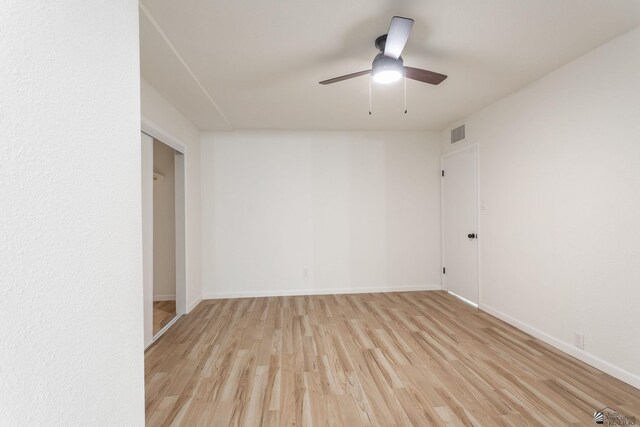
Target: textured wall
(71, 341)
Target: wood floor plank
(394, 359)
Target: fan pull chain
(370, 95)
(405, 94)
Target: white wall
(358, 210)
(158, 110)
(560, 181)
(164, 224)
(71, 344)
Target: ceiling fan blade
(348, 76)
(425, 76)
(398, 35)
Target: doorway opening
(163, 217)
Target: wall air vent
(457, 134)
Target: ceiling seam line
(164, 36)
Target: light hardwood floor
(163, 312)
(418, 358)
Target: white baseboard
(164, 297)
(296, 292)
(565, 347)
(193, 304)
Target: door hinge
(444, 270)
(443, 173)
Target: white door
(460, 222)
(147, 235)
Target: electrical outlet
(305, 272)
(580, 340)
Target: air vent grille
(457, 134)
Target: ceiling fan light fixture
(387, 70)
(387, 76)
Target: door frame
(478, 222)
(153, 130)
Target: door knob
(471, 235)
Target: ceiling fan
(388, 66)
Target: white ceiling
(255, 64)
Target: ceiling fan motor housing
(381, 42)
